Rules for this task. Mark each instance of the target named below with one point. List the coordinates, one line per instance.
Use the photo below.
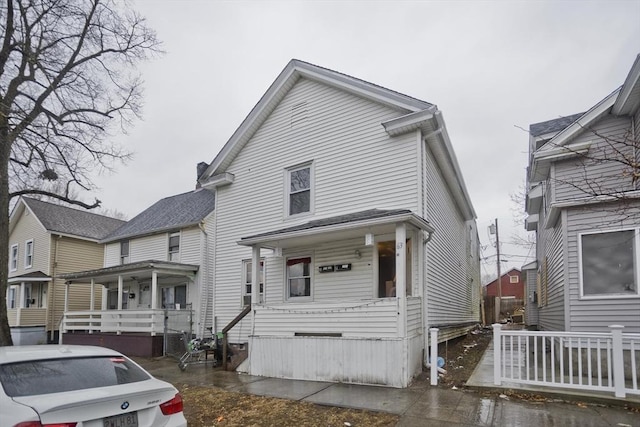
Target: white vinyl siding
(581, 176)
(595, 314)
(149, 247)
(450, 298)
(356, 167)
(190, 246)
(112, 254)
(552, 314)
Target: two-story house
(343, 219)
(155, 278)
(46, 240)
(584, 206)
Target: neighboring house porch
(27, 306)
(352, 285)
(142, 303)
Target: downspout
(204, 282)
(427, 239)
(52, 291)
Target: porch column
(255, 284)
(66, 297)
(120, 289)
(105, 297)
(401, 280)
(23, 290)
(92, 300)
(154, 290)
(255, 275)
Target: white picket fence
(606, 362)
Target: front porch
(144, 308)
(27, 310)
(349, 307)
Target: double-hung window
(299, 277)
(124, 252)
(247, 277)
(13, 258)
(299, 189)
(609, 263)
(28, 254)
(174, 247)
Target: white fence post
(434, 356)
(497, 354)
(618, 360)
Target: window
(514, 279)
(247, 280)
(608, 263)
(11, 300)
(124, 252)
(174, 247)
(299, 277)
(299, 190)
(13, 258)
(28, 254)
(174, 297)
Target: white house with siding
(45, 240)
(155, 266)
(583, 204)
(343, 220)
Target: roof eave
(410, 218)
(629, 97)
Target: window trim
(636, 265)
(169, 252)
(13, 260)
(28, 254)
(287, 289)
(245, 263)
(511, 279)
(287, 189)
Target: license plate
(124, 420)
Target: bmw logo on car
(124, 405)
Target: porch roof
(337, 228)
(34, 276)
(135, 270)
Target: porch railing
(119, 321)
(606, 362)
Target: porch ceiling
(341, 227)
(135, 271)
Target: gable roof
(629, 99)
(295, 70)
(170, 213)
(74, 222)
(555, 125)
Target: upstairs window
(514, 279)
(124, 252)
(174, 247)
(299, 277)
(28, 254)
(609, 264)
(13, 258)
(299, 189)
(247, 281)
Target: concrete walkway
(418, 405)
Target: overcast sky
(492, 67)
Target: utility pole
(494, 228)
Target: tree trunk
(5, 150)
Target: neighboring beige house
(46, 240)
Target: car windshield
(60, 375)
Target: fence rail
(605, 362)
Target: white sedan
(82, 386)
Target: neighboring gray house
(343, 219)
(159, 260)
(583, 203)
